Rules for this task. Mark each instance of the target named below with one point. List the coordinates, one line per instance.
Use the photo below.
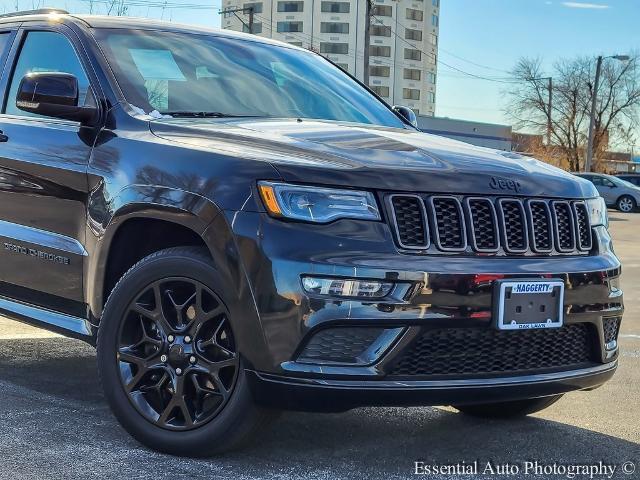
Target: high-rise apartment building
(403, 41)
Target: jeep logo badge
(504, 184)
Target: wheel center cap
(177, 356)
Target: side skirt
(67, 325)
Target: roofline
(39, 11)
(127, 22)
(43, 15)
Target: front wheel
(168, 358)
(517, 408)
(626, 204)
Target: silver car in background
(618, 193)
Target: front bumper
(340, 395)
(433, 292)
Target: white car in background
(618, 193)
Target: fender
(106, 216)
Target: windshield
(190, 74)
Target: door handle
(3, 137)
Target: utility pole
(367, 41)
(594, 102)
(592, 119)
(234, 11)
(550, 107)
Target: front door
(43, 181)
(605, 188)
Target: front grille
(491, 225)
(611, 327)
(486, 351)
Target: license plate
(529, 304)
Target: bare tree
(117, 8)
(617, 112)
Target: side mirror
(408, 114)
(53, 94)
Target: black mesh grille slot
(449, 223)
(410, 221)
(514, 224)
(583, 228)
(565, 233)
(541, 226)
(611, 328)
(484, 225)
(339, 345)
(486, 351)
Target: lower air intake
(486, 351)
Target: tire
(517, 408)
(626, 204)
(176, 404)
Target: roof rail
(39, 11)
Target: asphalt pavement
(54, 422)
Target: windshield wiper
(206, 114)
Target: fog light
(341, 287)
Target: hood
(372, 157)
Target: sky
(480, 37)
(496, 33)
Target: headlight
(598, 212)
(314, 204)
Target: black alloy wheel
(169, 358)
(176, 352)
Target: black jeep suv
(241, 227)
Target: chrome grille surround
(513, 223)
(540, 226)
(475, 229)
(563, 226)
(453, 216)
(583, 226)
(400, 237)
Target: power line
(305, 37)
(449, 74)
(464, 107)
(439, 60)
(472, 62)
(161, 4)
(480, 77)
